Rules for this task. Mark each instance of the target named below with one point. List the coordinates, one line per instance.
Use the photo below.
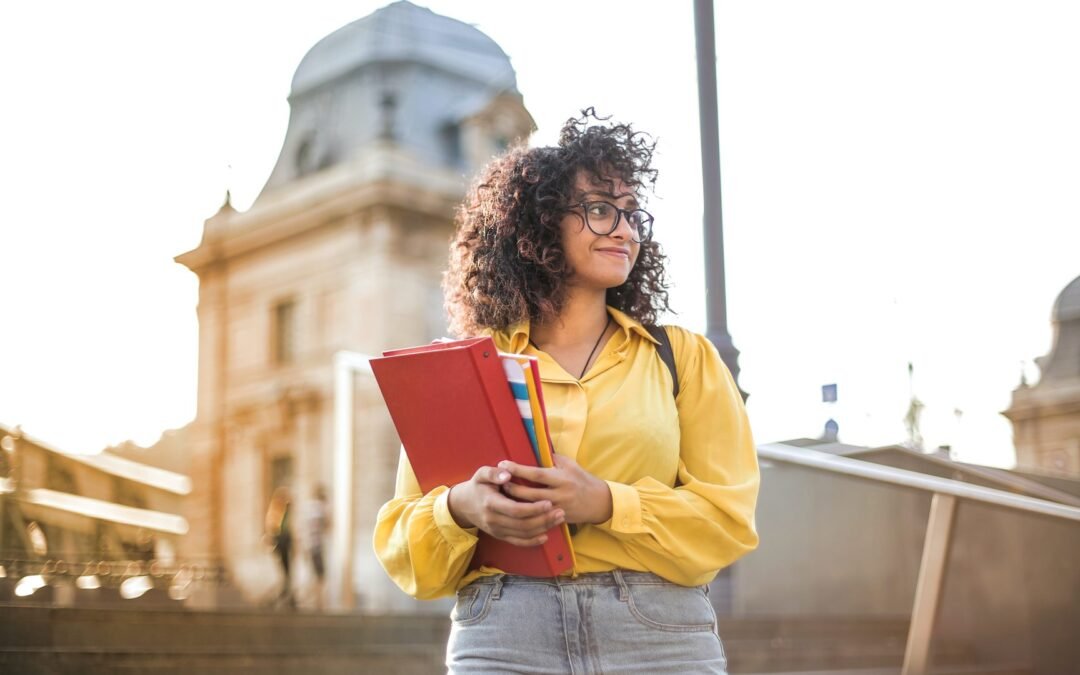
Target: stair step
(87, 663)
(845, 671)
(88, 640)
(952, 670)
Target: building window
(59, 477)
(451, 141)
(279, 474)
(283, 332)
(128, 493)
(312, 155)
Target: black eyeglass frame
(619, 214)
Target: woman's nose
(623, 230)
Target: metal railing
(67, 570)
(938, 530)
(886, 474)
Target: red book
(454, 412)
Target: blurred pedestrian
(279, 534)
(317, 523)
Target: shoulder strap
(666, 355)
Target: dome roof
(1063, 361)
(403, 32)
(1067, 305)
(400, 77)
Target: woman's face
(599, 261)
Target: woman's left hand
(582, 496)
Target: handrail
(887, 474)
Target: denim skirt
(609, 622)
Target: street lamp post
(715, 289)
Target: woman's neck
(582, 318)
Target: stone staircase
(837, 645)
(54, 640)
(765, 644)
(98, 641)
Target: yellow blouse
(621, 424)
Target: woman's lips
(620, 252)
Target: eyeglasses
(603, 217)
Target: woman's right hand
(480, 502)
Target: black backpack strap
(666, 355)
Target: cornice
(386, 176)
(1044, 400)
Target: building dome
(1063, 361)
(1067, 306)
(405, 77)
(404, 33)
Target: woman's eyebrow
(601, 193)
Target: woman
(278, 524)
(554, 257)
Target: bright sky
(900, 184)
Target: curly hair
(507, 262)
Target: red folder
(454, 412)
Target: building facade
(68, 518)
(1046, 416)
(344, 249)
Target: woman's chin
(612, 282)
(597, 284)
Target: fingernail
(543, 538)
(504, 476)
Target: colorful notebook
(545, 449)
(515, 375)
(455, 411)
(518, 367)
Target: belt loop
(496, 592)
(624, 592)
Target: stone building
(65, 516)
(1046, 416)
(343, 250)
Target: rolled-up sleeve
(688, 532)
(418, 542)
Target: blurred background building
(76, 523)
(343, 250)
(1046, 416)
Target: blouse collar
(516, 337)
